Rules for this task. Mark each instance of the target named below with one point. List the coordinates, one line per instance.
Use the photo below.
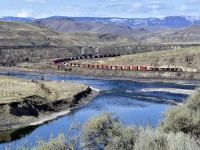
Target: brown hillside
(68, 25)
(187, 35)
(186, 58)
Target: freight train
(63, 62)
(114, 67)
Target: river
(139, 103)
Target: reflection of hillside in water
(14, 134)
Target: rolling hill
(185, 58)
(22, 42)
(27, 42)
(69, 25)
(188, 35)
(26, 34)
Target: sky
(99, 8)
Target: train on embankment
(66, 62)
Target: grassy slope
(25, 34)
(182, 57)
(187, 35)
(25, 88)
(68, 25)
(37, 43)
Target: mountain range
(170, 21)
(34, 41)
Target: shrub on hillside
(150, 139)
(99, 131)
(184, 118)
(106, 132)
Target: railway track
(66, 62)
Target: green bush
(184, 118)
(180, 130)
(100, 130)
(106, 132)
(155, 140)
(58, 143)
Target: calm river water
(130, 100)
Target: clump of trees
(180, 130)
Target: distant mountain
(69, 25)
(186, 35)
(170, 21)
(16, 19)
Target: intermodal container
(91, 66)
(134, 68)
(119, 67)
(86, 65)
(95, 66)
(113, 67)
(141, 68)
(126, 67)
(109, 67)
(104, 67)
(100, 66)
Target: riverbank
(104, 74)
(25, 102)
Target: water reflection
(10, 135)
(124, 97)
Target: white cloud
(136, 6)
(37, 1)
(183, 8)
(155, 5)
(24, 13)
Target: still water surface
(130, 100)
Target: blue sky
(99, 8)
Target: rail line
(66, 62)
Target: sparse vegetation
(106, 132)
(178, 131)
(186, 58)
(184, 118)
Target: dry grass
(25, 88)
(107, 132)
(186, 58)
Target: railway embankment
(26, 102)
(164, 75)
(102, 73)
